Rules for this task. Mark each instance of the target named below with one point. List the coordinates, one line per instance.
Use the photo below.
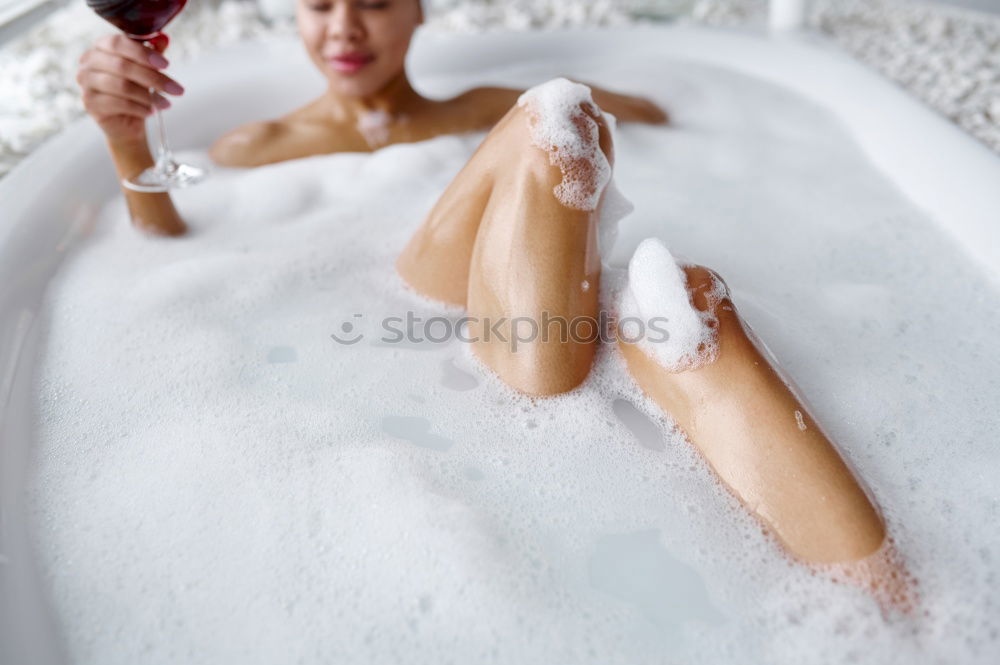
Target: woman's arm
(115, 77)
(629, 108)
(152, 213)
(490, 104)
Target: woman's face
(359, 45)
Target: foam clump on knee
(655, 299)
(559, 125)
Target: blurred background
(947, 53)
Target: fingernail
(173, 88)
(162, 103)
(158, 60)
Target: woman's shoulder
(294, 135)
(252, 144)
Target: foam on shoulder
(559, 125)
(375, 126)
(657, 291)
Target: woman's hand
(628, 108)
(115, 77)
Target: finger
(106, 106)
(143, 75)
(116, 86)
(119, 44)
(161, 102)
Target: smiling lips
(350, 63)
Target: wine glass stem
(164, 158)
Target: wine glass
(142, 20)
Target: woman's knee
(707, 287)
(538, 141)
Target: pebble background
(948, 57)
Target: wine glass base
(157, 179)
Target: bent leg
(435, 262)
(764, 445)
(762, 441)
(535, 265)
(525, 265)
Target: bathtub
(50, 199)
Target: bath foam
(195, 502)
(615, 206)
(657, 289)
(571, 136)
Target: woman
(502, 244)
(360, 46)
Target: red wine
(138, 18)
